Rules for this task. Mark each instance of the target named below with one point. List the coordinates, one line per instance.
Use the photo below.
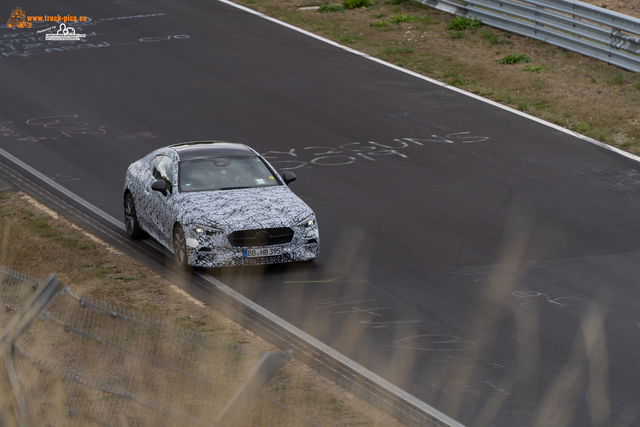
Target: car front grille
(261, 237)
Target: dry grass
(582, 94)
(36, 242)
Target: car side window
(163, 169)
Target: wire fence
(72, 360)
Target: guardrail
(592, 31)
(66, 360)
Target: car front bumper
(216, 251)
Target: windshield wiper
(233, 188)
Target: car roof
(209, 149)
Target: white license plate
(255, 253)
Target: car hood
(248, 208)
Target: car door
(139, 180)
(162, 212)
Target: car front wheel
(180, 248)
(131, 219)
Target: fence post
(246, 395)
(12, 405)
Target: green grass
(356, 4)
(348, 39)
(540, 104)
(400, 18)
(491, 37)
(537, 83)
(396, 50)
(455, 79)
(514, 58)
(617, 78)
(101, 272)
(330, 8)
(456, 34)
(427, 20)
(463, 23)
(39, 225)
(581, 127)
(379, 24)
(532, 68)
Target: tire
(131, 219)
(180, 248)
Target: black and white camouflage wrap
(225, 210)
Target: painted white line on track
(63, 190)
(300, 334)
(333, 353)
(436, 82)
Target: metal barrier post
(13, 405)
(246, 395)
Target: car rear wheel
(180, 248)
(131, 219)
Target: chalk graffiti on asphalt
(346, 154)
(539, 296)
(67, 126)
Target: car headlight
(310, 221)
(200, 229)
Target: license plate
(255, 253)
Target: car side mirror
(161, 186)
(288, 177)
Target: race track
(474, 257)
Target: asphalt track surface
(466, 251)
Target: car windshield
(224, 174)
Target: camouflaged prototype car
(215, 204)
